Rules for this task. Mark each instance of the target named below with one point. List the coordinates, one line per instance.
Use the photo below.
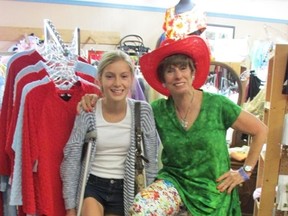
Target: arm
(249, 124)
(71, 165)
(246, 123)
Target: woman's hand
(87, 102)
(229, 180)
(71, 212)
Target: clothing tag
(35, 167)
(66, 96)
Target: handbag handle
(133, 45)
(138, 132)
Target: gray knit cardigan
(72, 168)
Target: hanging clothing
(17, 62)
(16, 186)
(253, 86)
(137, 92)
(28, 72)
(47, 124)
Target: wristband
(244, 175)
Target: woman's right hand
(71, 212)
(87, 102)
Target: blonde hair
(112, 56)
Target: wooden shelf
(87, 37)
(275, 109)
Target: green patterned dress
(194, 159)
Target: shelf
(275, 107)
(87, 37)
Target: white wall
(147, 24)
(23, 14)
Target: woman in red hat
(192, 124)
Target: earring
(164, 85)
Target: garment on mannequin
(184, 19)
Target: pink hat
(193, 46)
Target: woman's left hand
(229, 180)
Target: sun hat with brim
(193, 46)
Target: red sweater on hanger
(47, 124)
(15, 64)
(33, 76)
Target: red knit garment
(15, 64)
(47, 124)
(33, 76)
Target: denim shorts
(108, 192)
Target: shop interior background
(252, 19)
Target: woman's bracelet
(244, 175)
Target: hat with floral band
(193, 46)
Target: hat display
(193, 46)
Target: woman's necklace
(184, 121)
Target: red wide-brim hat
(193, 46)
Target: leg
(114, 205)
(159, 198)
(103, 197)
(91, 207)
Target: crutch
(89, 139)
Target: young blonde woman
(110, 186)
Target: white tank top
(112, 145)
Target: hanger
(75, 44)
(61, 59)
(50, 32)
(244, 75)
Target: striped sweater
(72, 168)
